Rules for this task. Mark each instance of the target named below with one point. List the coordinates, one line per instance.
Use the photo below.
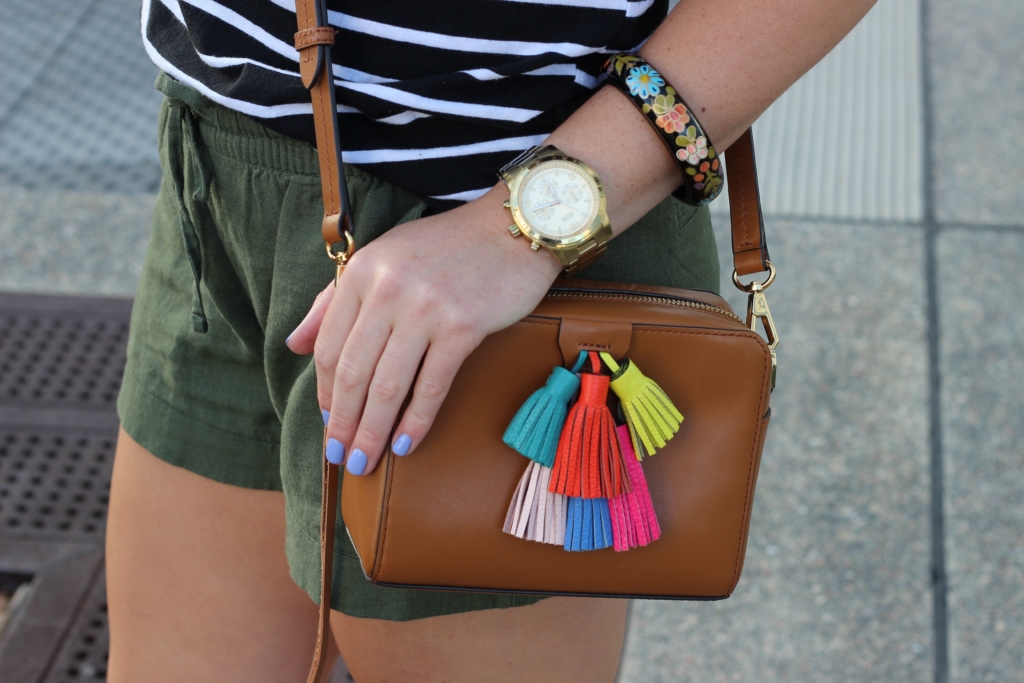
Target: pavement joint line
(981, 227)
(940, 586)
(938, 226)
(833, 220)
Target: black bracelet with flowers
(675, 123)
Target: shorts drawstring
(183, 137)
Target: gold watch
(557, 202)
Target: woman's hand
(427, 291)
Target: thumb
(302, 339)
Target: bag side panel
(363, 510)
(750, 498)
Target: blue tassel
(574, 524)
(535, 429)
(587, 542)
(602, 524)
(588, 524)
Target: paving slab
(977, 86)
(837, 583)
(23, 53)
(983, 437)
(846, 142)
(88, 119)
(73, 242)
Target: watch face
(558, 200)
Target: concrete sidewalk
(888, 535)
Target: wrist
(495, 221)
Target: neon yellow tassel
(651, 417)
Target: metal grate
(84, 655)
(52, 360)
(61, 360)
(54, 484)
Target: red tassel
(589, 463)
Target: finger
(342, 386)
(435, 379)
(303, 337)
(335, 328)
(391, 381)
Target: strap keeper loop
(310, 37)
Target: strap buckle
(757, 309)
(340, 258)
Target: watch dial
(558, 201)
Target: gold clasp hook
(757, 308)
(340, 258)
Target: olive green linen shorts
(236, 260)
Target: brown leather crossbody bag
(435, 520)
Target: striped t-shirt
(433, 95)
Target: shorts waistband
(236, 135)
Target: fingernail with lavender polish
(335, 452)
(326, 414)
(401, 445)
(356, 462)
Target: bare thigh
(559, 640)
(199, 590)
(197, 580)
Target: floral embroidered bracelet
(675, 123)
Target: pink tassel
(634, 523)
(535, 513)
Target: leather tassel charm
(588, 524)
(651, 417)
(536, 514)
(535, 430)
(634, 523)
(589, 463)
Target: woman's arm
(429, 291)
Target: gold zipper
(645, 298)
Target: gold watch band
(523, 159)
(578, 257)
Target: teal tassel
(535, 429)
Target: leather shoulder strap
(749, 248)
(328, 521)
(313, 41)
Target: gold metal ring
(342, 257)
(755, 285)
